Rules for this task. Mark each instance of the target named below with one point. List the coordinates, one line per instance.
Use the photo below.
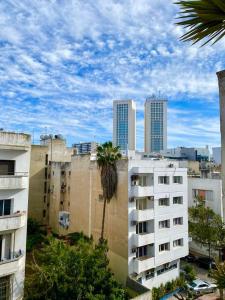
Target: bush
(190, 273)
(169, 287)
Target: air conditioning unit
(64, 220)
(134, 250)
(133, 223)
(131, 199)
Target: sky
(63, 62)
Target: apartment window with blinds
(141, 204)
(178, 243)
(164, 180)
(164, 202)
(178, 200)
(164, 247)
(178, 179)
(141, 228)
(5, 288)
(141, 251)
(164, 224)
(203, 194)
(178, 221)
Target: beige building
(51, 148)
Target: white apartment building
(158, 220)
(124, 124)
(14, 182)
(155, 125)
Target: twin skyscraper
(124, 124)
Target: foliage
(206, 227)
(219, 277)
(203, 18)
(190, 273)
(61, 271)
(169, 287)
(35, 235)
(107, 156)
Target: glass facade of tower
(122, 126)
(156, 112)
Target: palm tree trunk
(103, 220)
(221, 79)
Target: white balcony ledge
(142, 264)
(14, 182)
(143, 215)
(13, 221)
(142, 191)
(10, 266)
(143, 239)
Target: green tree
(65, 272)
(219, 277)
(204, 19)
(205, 226)
(107, 156)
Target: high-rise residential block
(124, 124)
(85, 147)
(14, 184)
(155, 125)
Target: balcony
(12, 222)
(144, 263)
(142, 191)
(12, 265)
(143, 239)
(17, 181)
(14, 141)
(143, 215)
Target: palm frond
(205, 19)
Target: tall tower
(155, 124)
(124, 124)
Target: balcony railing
(142, 191)
(143, 239)
(144, 263)
(143, 215)
(18, 180)
(13, 221)
(9, 266)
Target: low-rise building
(14, 183)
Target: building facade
(155, 125)
(146, 223)
(84, 148)
(124, 124)
(51, 149)
(217, 155)
(14, 184)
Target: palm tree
(205, 19)
(107, 156)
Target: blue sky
(62, 62)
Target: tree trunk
(221, 294)
(221, 79)
(103, 220)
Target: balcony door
(5, 207)
(7, 167)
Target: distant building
(85, 148)
(188, 153)
(124, 124)
(217, 155)
(14, 182)
(155, 125)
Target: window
(178, 243)
(164, 202)
(46, 159)
(178, 200)
(178, 179)
(141, 204)
(203, 195)
(164, 224)
(5, 207)
(44, 213)
(5, 288)
(143, 180)
(46, 173)
(45, 187)
(178, 221)
(164, 247)
(164, 180)
(7, 167)
(141, 228)
(166, 268)
(150, 274)
(141, 251)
